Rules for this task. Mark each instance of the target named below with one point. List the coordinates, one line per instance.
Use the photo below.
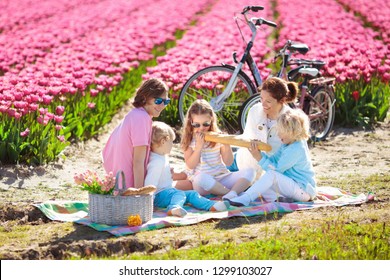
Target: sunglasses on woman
(197, 125)
(160, 100)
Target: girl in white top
(261, 121)
(159, 175)
(207, 161)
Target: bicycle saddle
(309, 71)
(299, 47)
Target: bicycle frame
(218, 101)
(308, 74)
(325, 82)
(316, 100)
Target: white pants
(274, 184)
(203, 183)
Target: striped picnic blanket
(77, 211)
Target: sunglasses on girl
(160, 100)
(197, 125)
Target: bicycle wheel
(321, 112)
(248, 104)
(208, 84)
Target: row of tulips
(31, 44)
(375, 12)
(84, 75)
(359, 61)
(46, 8)
(211, 42)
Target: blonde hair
(199, 107)
(160, 131)
(295, 123)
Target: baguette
(144, 190)
(235, 140)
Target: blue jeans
(172, 198)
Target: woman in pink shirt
(128, 147)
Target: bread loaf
(235, 140)
(143, 190)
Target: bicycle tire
(248, 104)
(207, 84)
(321, 124)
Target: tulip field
(67, 66)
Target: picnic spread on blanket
(77, 211)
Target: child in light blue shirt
(289, 172)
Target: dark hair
(151, 88)
(280, 89)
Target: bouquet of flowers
(90, 181)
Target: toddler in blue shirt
(289, 172)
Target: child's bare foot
(220, 206)
(178, 212)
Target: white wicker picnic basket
(115, 209)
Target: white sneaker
(242, 200)
(229, 195)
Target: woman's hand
(255, 151)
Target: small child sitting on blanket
(159, 175)
(289, 172)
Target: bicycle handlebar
(252, 8)
(261, 21)
(292, 47)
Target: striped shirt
(210, 161)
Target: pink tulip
(42, 120)
(58, 119)
(61, 138)
(94, 92)
(49, 116)
(47, 99)
(3, 108)
(386, 78)
(60, 110)
(33, 107)
(25, 133)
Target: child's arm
(184, 185)
(227, 154)
(139, 166)
(255, 151)
(192, 156)
(181, 181)
(285, 158)
(178, 176)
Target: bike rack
(322, 80)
